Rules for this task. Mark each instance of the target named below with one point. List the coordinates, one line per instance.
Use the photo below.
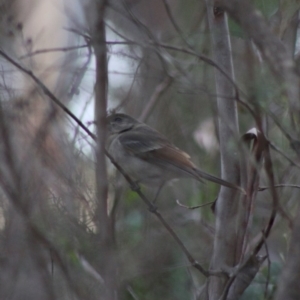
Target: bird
(148, 157)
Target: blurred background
(49, 247)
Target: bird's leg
(157, 193)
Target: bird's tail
(220, 181)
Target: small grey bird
(148, 157)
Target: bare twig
(276, 205)
(159, 90)
(80, 73)
(127, 98)
(194, 207)
(207, 60)
(281, 127)
(278, 150)
(263, 188)
(174, 23)
(47, 50)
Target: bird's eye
(118, 119)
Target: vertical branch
(104, 228)
(225, 241)
(99, 45)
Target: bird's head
(117, 123)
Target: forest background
(220, 79)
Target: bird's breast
(137, 168)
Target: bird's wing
(150, 145)
(174, 156)
(142, 140)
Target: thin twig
(194, 207)
(274, 147)
(159, 90)
(263, 188)
(174, 23)
(203, 58)
(80, 73)
(276, 204)
(66, 49)
(280, 126)
(59, 49)
(127, 98)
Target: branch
(263, 188)
(278, 150)
(66, 49)
(195, 207)
(59, 49)
(226, 250)
(159, 90)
